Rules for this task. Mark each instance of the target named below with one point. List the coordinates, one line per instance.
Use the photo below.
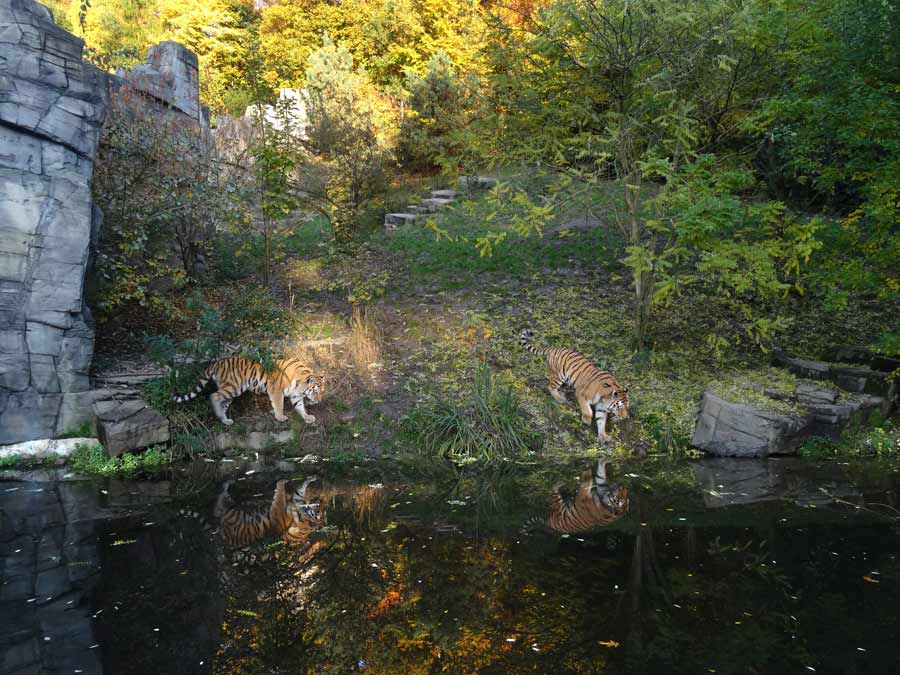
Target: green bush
(492, 428)
(92, 459)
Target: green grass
(749, 387)
(452, 258)
(307, 237)
(92, 459)
(492, 427)
(882, 440)
(84, 431)
(10, 461)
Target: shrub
(162, 198)
(492, 428)
(432, 133)
(92, 459)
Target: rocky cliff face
(51, 111)
(52, 106)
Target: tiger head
(616, 500)
(310, 388)
(304, 510)
(314, 388)
(618, 404)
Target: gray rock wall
(51, 111)
(52, 106)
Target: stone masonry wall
(52, 106)
(51, 111)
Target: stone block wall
(51, 112)
(52, 106)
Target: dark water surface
(779, 566)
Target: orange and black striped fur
(597, 502)
(597, 391)
(226, 379)
(289, 516)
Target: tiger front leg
(300, 408)
(587, 413)
(220, 407)
(277, 400)
(601, 426)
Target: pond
(706, 566)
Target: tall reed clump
(490, 427)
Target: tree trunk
(266, 255)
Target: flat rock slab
(129, 425)
(252, 440)
(48, 447)
(443, 194)
(861, 379)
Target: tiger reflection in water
(597, 502)
(289, 515)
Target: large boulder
(731, 429)
(130, 424)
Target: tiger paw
(281, 418)
(227, 422)
(310, 419)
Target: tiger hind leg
(556, 391)
(220, 407)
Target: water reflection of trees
(400, 596)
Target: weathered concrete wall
(52, 106)
(51, 111)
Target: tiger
(597, 391)
(597, 502)
(289, 516)
(226, 379)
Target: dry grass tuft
(368, 506)
(346, 364)
(365, 340)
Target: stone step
(443, 194)
(475, 182)
(394, 220)
(434, 203)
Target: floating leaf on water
(870, 580)
(612, 644)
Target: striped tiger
(289, 516)
(597, 502)
(226, 379)
(597, 391)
